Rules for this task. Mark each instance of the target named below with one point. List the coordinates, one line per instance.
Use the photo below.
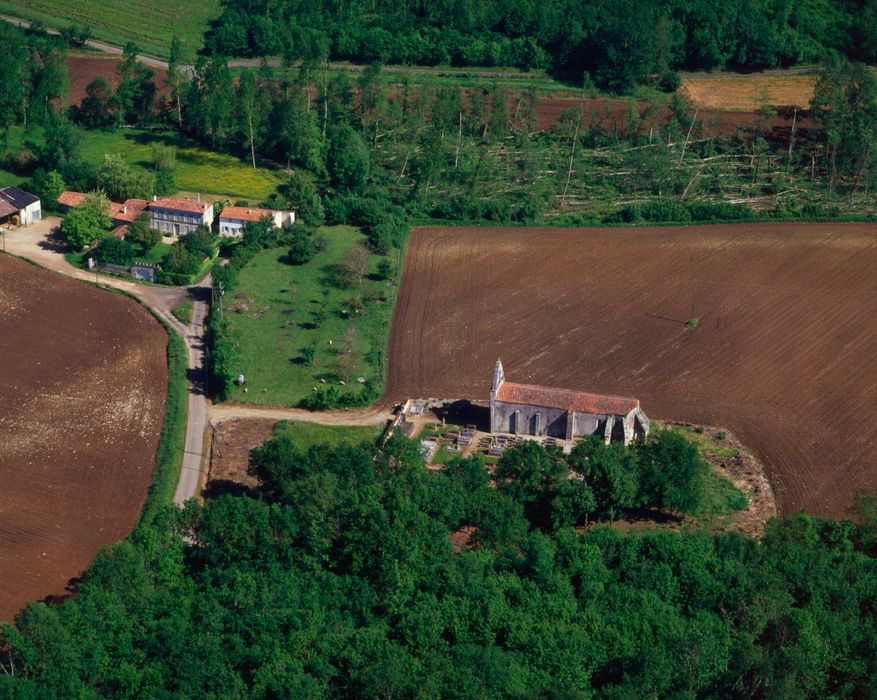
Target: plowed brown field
(82, 387)
(83, 68)
(783, 354)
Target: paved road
(39, 243)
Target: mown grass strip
(172, 444)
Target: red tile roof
(180, 205)
(246, 213)
(6, 208)
(129, 211)
(120, 231)
(566, 399)
(71, 199)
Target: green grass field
(305, 435)
(183, 312)
(148, 23)
(198, 169)
(300, 310)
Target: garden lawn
(148, 23)
(286, 308)
(198, 169)
(306, 435)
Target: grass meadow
(284, 309)
(198, 169)
(306, 435)
(148, 23)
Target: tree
(86, 223)
(164, 157)
(175, 78)
(94, 110)
(115, 251)
(179, 260)
(386, 269)
(348, 159)
(141, 235)
(302, 247)
(48, 186)
(845, 104)
(252, 112)
(121, 182)
(609, 473)
(260, 234)
(62, 141)
(136, 92)
(300, 194)
(15, 84)
(210, 100)
(200, 243)
(356, 262)
(671, 473)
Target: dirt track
(782, 356)
(82, 388)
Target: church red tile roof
(565, 399)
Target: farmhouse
(18, 207)
(537, 410)
(232, 219)
(174, 216)
(121, 214)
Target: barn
(528, 409)
(18, 208)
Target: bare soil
(613, 115)
(230, 454)
(83, 68)
(82, 392)
(782, 354)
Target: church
(527, 409)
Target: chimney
(198, 197)
(154, 198)
(187, 198)
(124, 208)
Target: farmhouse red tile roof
(71, 199)
(567, 399)
(180, 205)
(120, 231)
(245, 213)
(129, 211)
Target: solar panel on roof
(17, 197)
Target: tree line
(357, 572)
(620, 44)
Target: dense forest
(357, 573)
(620, 43)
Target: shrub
(114, 251)
(386, 269)
(302, 247)
(720, 211)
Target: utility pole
(694, 301)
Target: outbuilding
(19, 208)
(233, 219)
